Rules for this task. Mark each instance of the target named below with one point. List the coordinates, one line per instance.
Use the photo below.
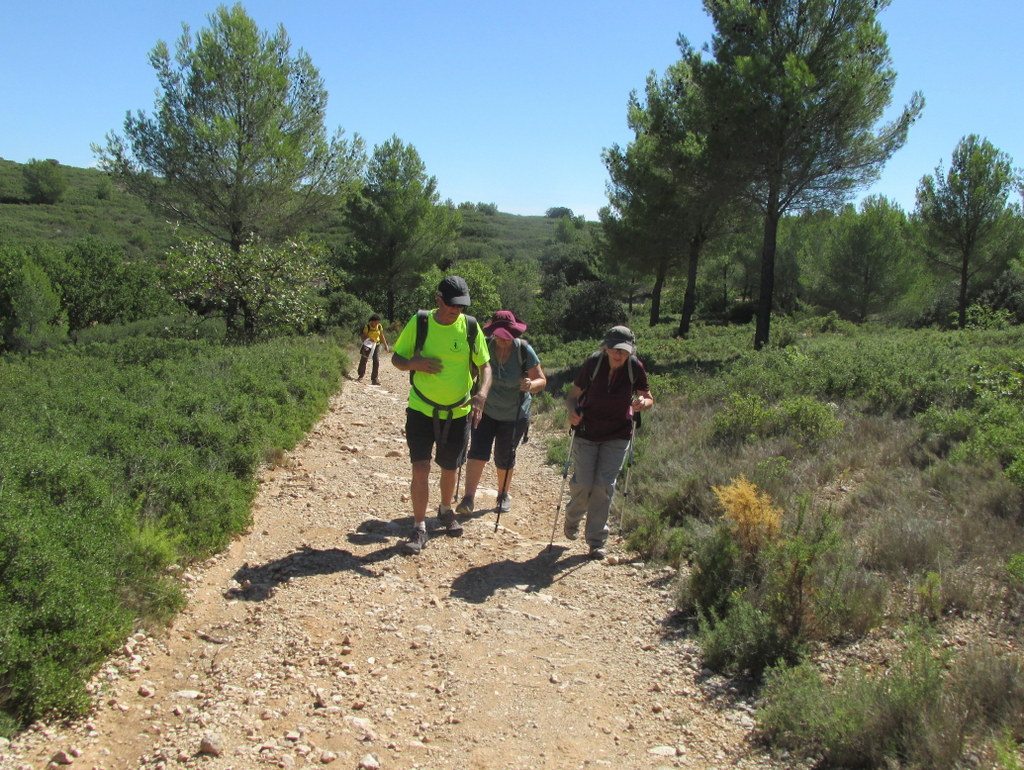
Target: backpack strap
(520, 349)
(598, 358)
(422, 324)
(472, 330)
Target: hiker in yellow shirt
(372, 336)
(440, 350)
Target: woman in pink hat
(516, 374)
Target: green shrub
(1015, 569)
(748, 418)
(913, 714)
(745, 641)
(745, 418)
(45, 181)
(866, 721)
(808, 420)
(120, 459)
(716, 573)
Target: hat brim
(502, 333)
(461, 301)
(620, 345)
(514, 329)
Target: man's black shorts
(419, 435)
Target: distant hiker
(442, 351)
(516, 374)
(610, 388)
(372, 337)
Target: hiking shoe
(465, 505)
(375, 382)
(449, 522)
(504, 503)
(597, 552)
(416, 543)
(571, 533)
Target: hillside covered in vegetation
(836, 460)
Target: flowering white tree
(265, 288)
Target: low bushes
(924, 710)
(895, 458)
(120, 460)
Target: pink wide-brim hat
(504, 324)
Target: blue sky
(507, 103)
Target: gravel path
(311, 641)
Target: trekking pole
(462, 455)
(629, 461)
(561, 492)
(512, 460)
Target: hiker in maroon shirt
(610, 388)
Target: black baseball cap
(454, 291)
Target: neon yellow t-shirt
(449, 344)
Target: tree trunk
(659, 284)
(391, 304)
(230, 319)
(961, 304)
(690, 295)
(764, 301)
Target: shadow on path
(258, 583)
(480, 583)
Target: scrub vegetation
(836, 459)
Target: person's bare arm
(417, 364)
(480, 398)
(535, 381)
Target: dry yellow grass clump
(750, 513)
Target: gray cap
(620, 338)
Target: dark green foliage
(99, 285)
(966, 214)
(716, 573)
(400, 227)
(345, 312)
(558, 212)
(861, 262)
(587, 311)
(44, 181)
(36, 320)
(48, 290)
(1007, 293)
(120, 459)
(745, 641)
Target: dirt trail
(312, 641)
